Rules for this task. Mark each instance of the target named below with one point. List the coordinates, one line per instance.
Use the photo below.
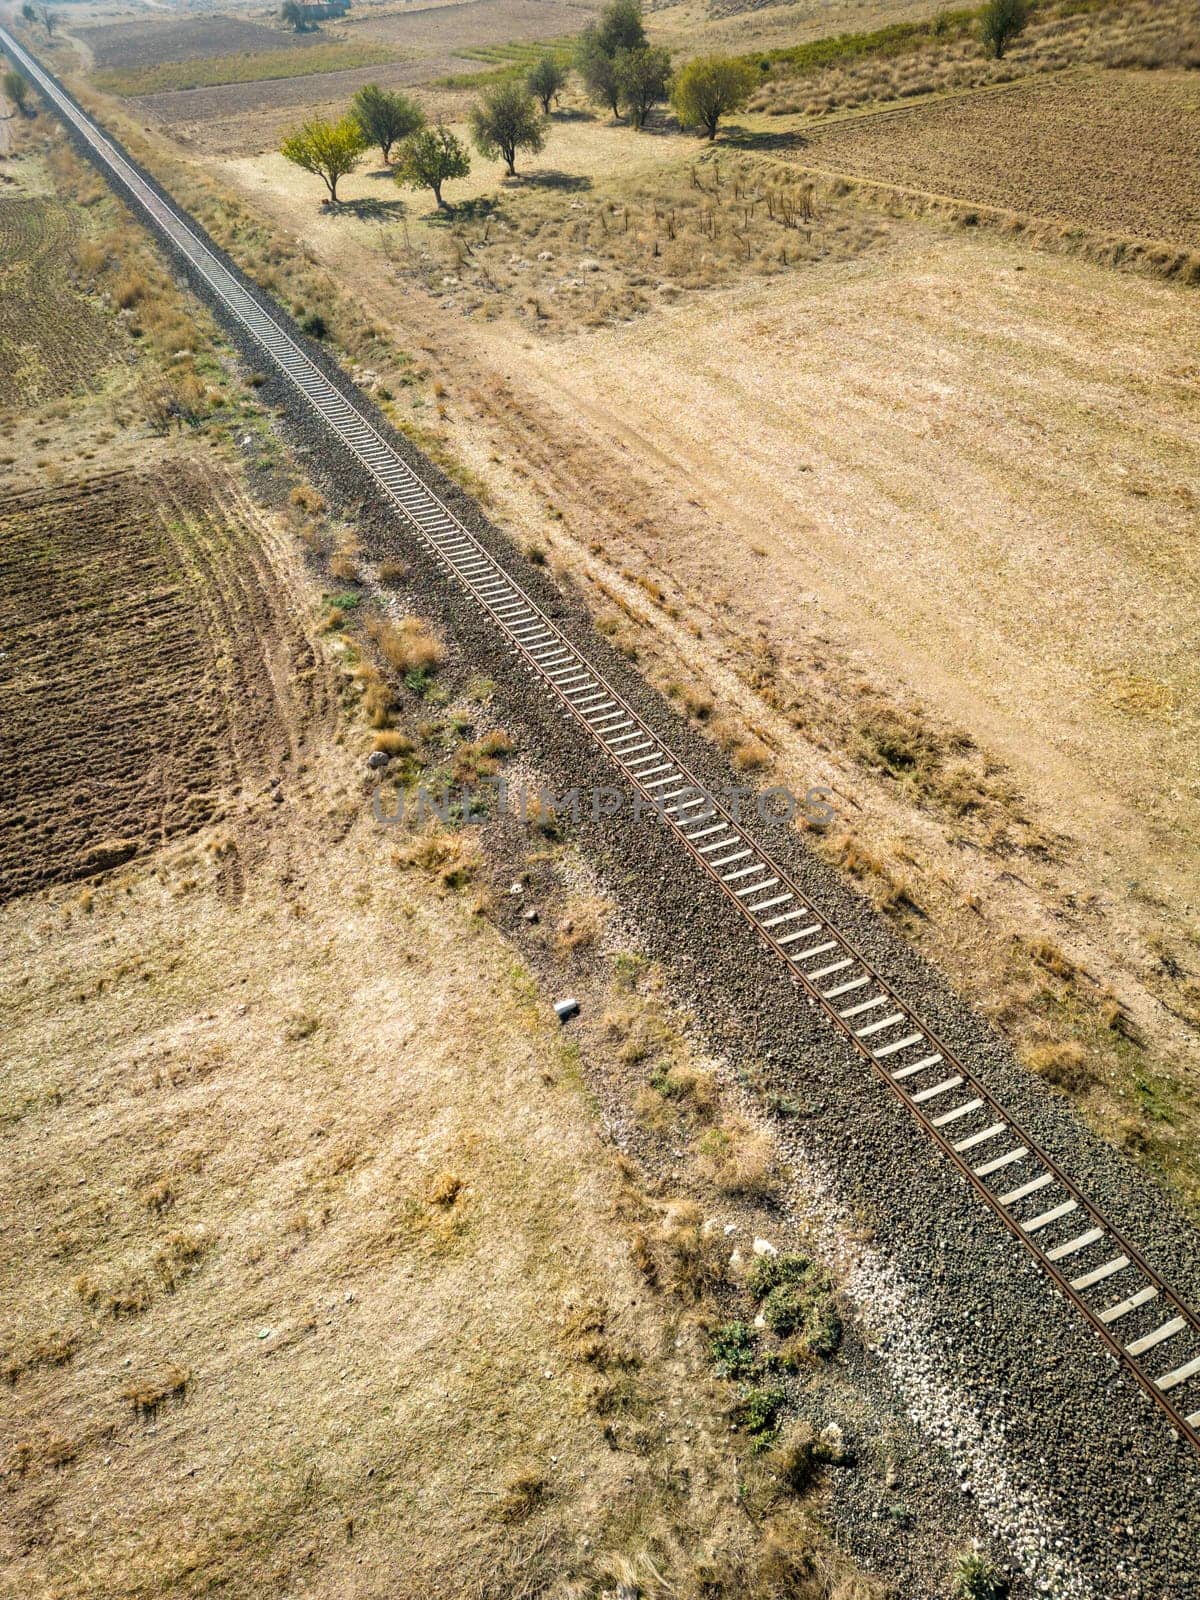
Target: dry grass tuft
(680, 1255)
(392, 572)
(157, 1196)
(738, 1159)
(1064, 1065)
(888, 889)
(393, 743)
(407, 646)
(445, 1189)
(452, 857)
(344, 567)
(147, 1395)
(1048, 955)
(307, 499)
(581, 925)
(378, 699)
(522, 1495)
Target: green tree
(385, 117)
(329, 150)
(505, 121)
(16, 90)
(546, 78)
(296, 16)
(28, 12)
(598, 71)
(620, 27)
(428, 158)
(642, 76)
(1003, 20)
(709, 88)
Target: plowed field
(146, 43)
(1113, 152)
(149, 665)
(52, 340)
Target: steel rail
(884, 1030)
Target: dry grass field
(319, 1278)
(1139, 181)
(199, 679)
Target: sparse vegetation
(208, 72)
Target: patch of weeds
(797, 1304)
(759, 1413)
(734, 1350)
(976, 1577)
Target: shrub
(732, 1348)
(760, 1410)
(1002, 21)
(978, 1578)
(797, 1304)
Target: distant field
(149, 591)
(51, 338)
(1139, 180)
(148, 43)
(484, 22)
(305, 61)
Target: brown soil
(153, 665)
(52, 340)
(1138, 180)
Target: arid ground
(872, 433)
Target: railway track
(1146, 1327)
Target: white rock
(764, 1247)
